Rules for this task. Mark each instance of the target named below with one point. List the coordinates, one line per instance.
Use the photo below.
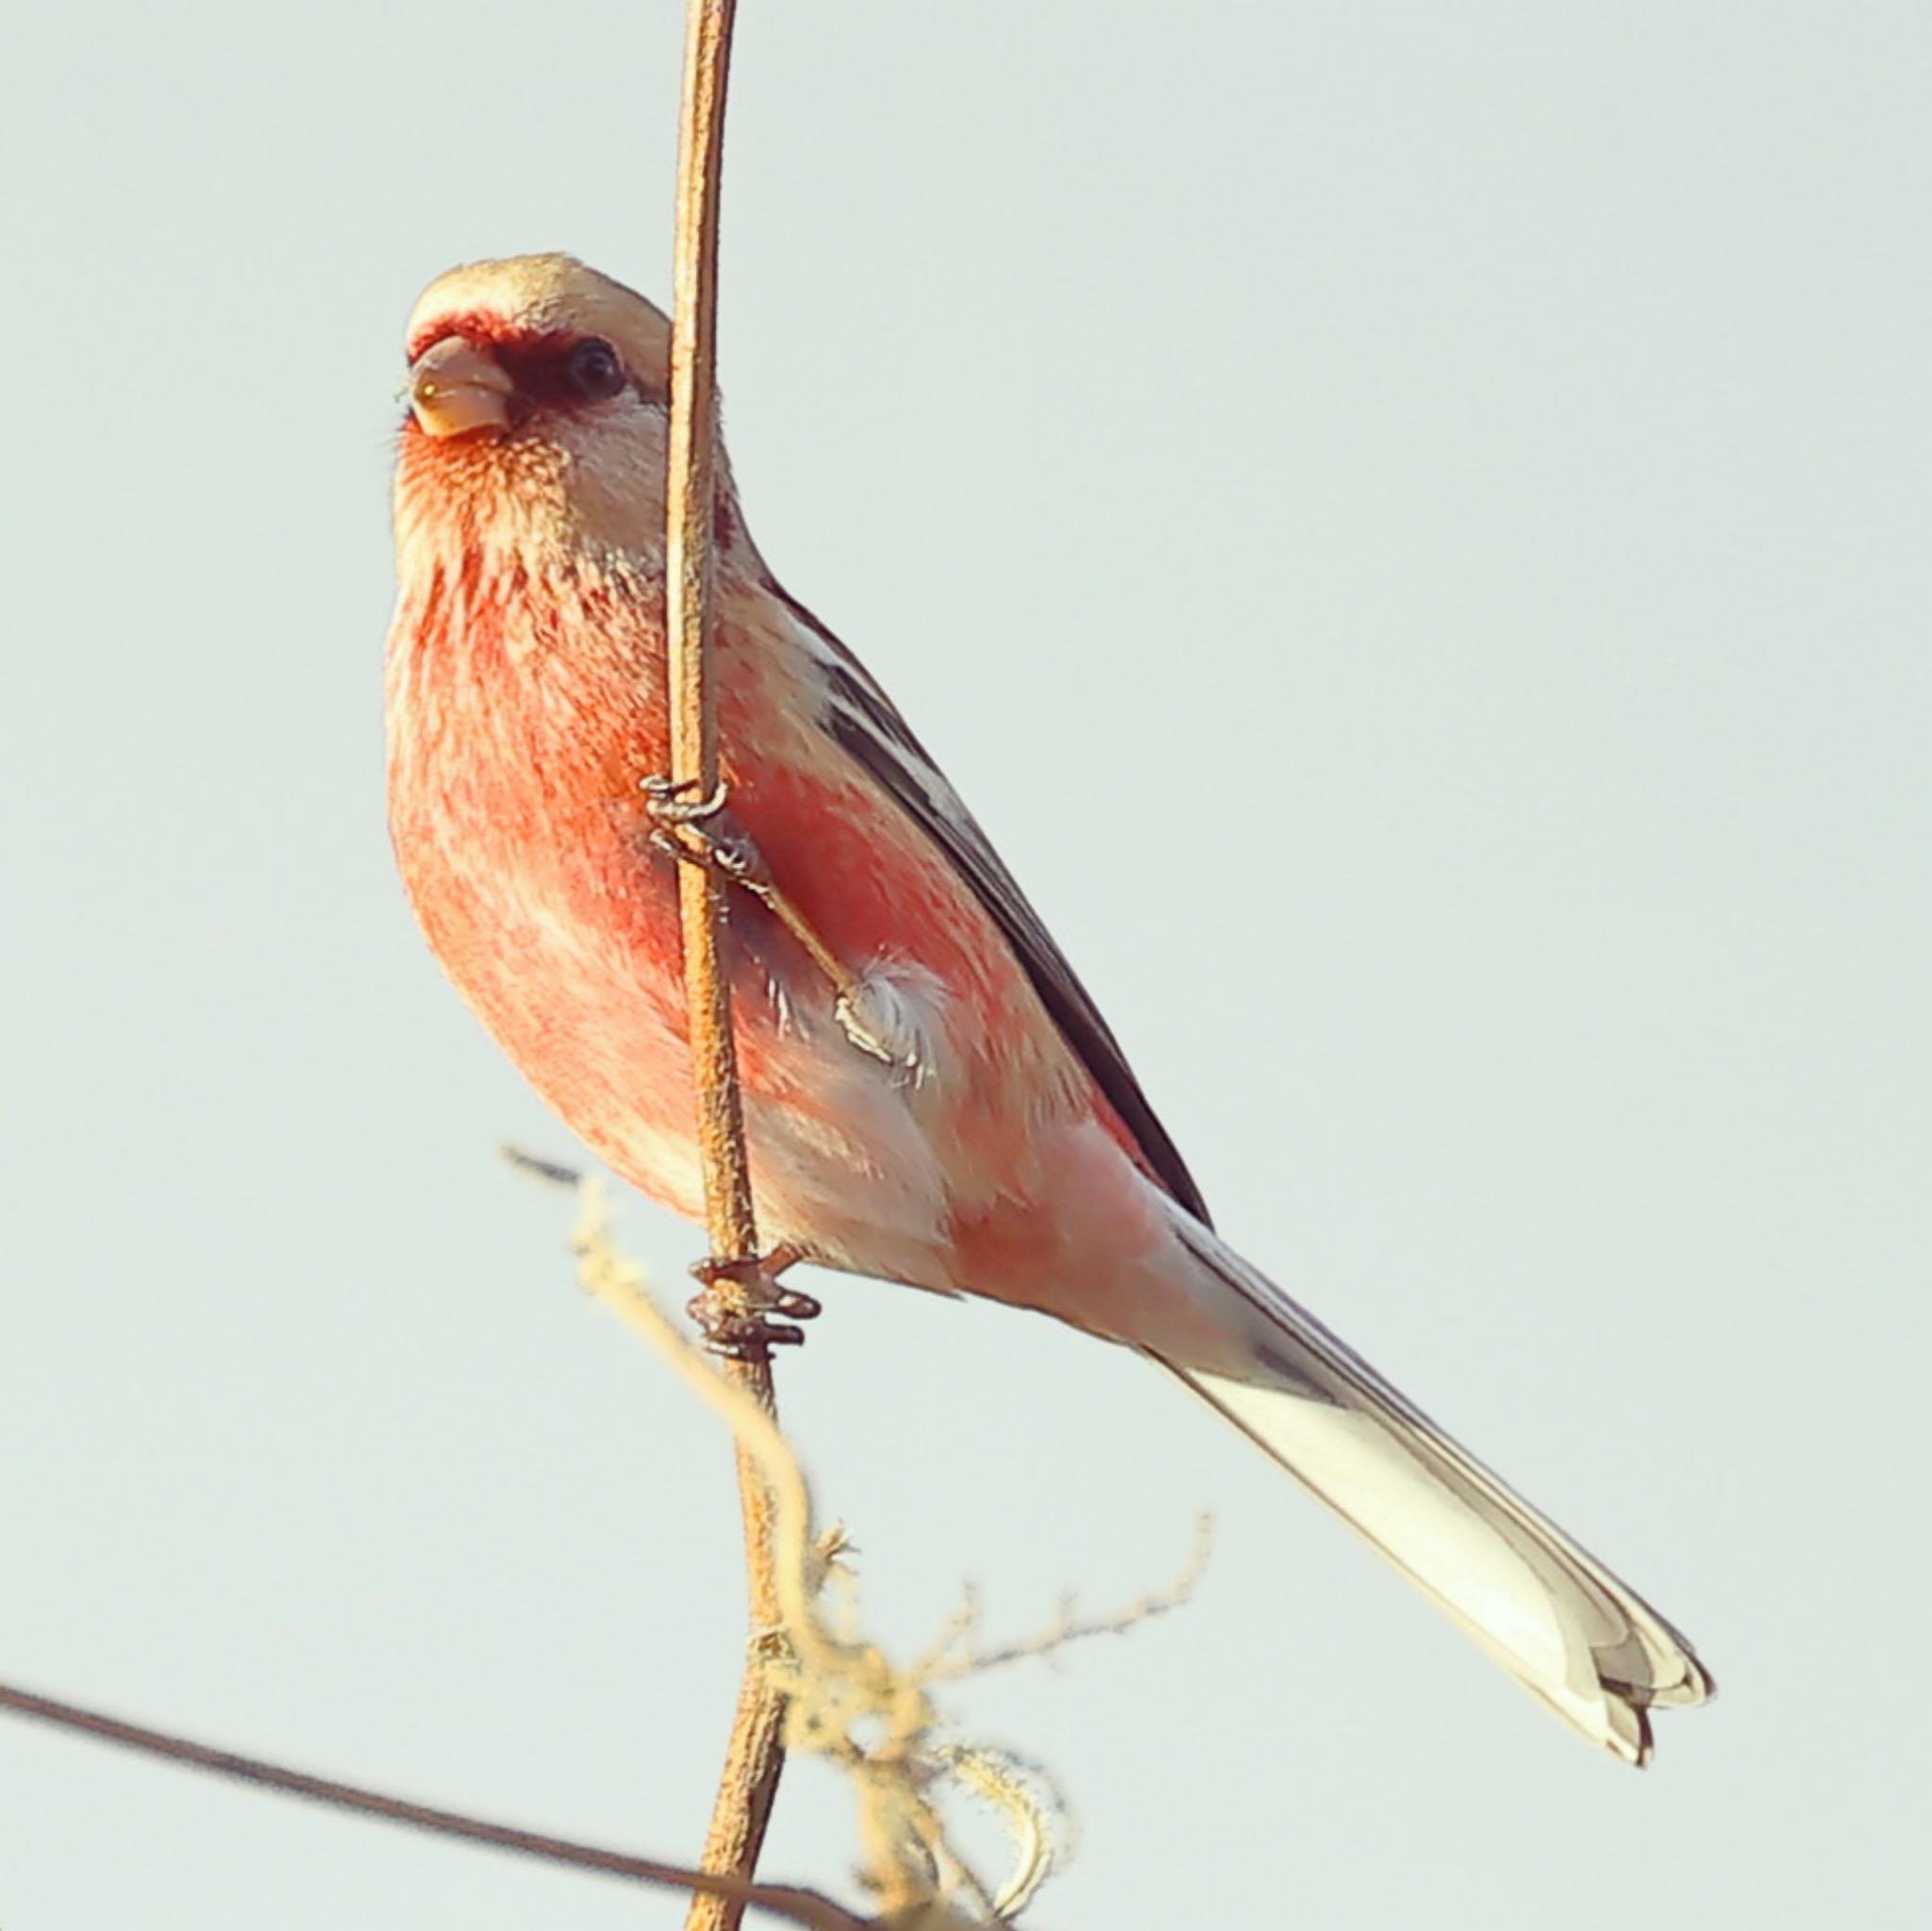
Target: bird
(930, 1095)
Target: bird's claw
(670, 803)
(703, 833)
(699, 831)
(742, 1312)
(731, 854)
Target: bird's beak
(456, 388)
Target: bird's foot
(670, 800)
(699, 831)
(742, 1311)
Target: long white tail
(1548, 1611)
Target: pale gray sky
(1408, 523)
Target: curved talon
(741, 1334)
(679, 830)
(748, 1271)
(663, 800)
(734, 856)
(734, 1312)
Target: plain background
(1407, 523)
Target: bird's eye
(594, 372)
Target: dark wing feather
(866, 724)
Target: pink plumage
(979, 1130)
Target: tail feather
(1588, 1646)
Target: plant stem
(755, 1758)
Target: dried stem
(749, 1781)
(806, 1908)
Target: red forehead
(489, 332)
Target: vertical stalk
(753, 1761)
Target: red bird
(962, 1119)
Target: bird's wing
(867, 725)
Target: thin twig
(754, 1758)
(803, 1906)
(942, 1666)
(846, 1702)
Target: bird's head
(539, 406)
